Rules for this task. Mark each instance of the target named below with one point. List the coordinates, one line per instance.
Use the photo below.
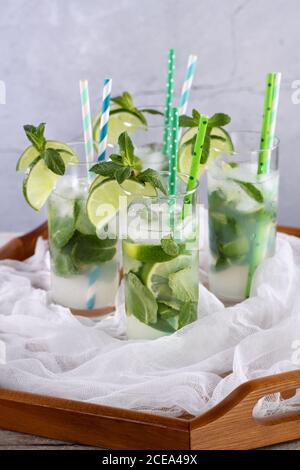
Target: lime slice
(31, 153)
(156, 276)
(217, 147)
(97, 180)
(120, 120)
(145, 252)
(103, 201)
(235, 248)
(38, 184)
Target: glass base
(97, 312)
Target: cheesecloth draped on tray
(44, 349)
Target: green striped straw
(173, 154)
(266, 144)
(266, 138)
(173, 150)
(196, 158)
(169, 99)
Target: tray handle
(21, 248)
(231, 424)
(285, 383)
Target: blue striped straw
(104, 118)
(86, 122)
(89, 153)
(187, 84)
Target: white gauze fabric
(44, 349)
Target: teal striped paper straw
(93, 275)
(106, 94)
(187, 84)
(86, 122)
(169, 97)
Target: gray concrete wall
(46, 46)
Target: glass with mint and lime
(84, 267)
(161, 262)
(144, 123)
(242, 215)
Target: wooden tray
(229, 425)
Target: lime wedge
(145, 252)
(103, 201)
(120, 120)
(235, 248)
(38, 184)
(97, 180)
(217, 146)
(31, 153)
(156, 276)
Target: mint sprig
(154, 178)
(125, 101)
(51, 156)
(217, 120)
(126, 165)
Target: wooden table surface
(17, 441)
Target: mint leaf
(61, 230)
(139, 301)
(251, 190)
(169, 246)
(196, 115)
(154, 178)
(151, 111)
(124, 101)
(105, 169)
(186, 121)
(165, 311)
(54, 161)
(89, 249)
(123, 174)
(116, 159)
(40, 130)
(126, 149)
(184, 285)
(188, 314)
(219, 120)
(62, 263)
(36, 135)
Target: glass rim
(85, 162)
(166, 197)
(151, 126)
(251, 151)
